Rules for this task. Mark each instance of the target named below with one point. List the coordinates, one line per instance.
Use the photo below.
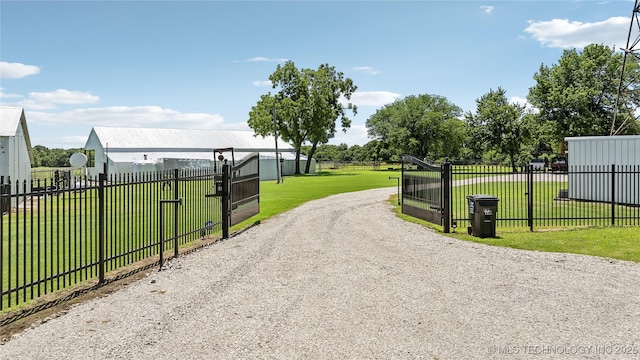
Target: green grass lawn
(296, 190)
(622, 243)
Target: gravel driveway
(344, 278)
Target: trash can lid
(481, 197)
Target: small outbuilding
(16, 155)
(133, 150)
(595, 160)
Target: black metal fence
(356, 165)
(55, 237)
(581, 196)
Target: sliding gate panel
(422, 194)
(245, 189)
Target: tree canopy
(423, 125)
(577, 96)
(371, 151)
(306, 107)
(499, 125)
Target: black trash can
(482, 215)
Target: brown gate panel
(424, 214)
(422, 195)
(245, 189)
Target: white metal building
(591, 153)
(15, 146)
(16, 155)
(131, 150)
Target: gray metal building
(598, 153)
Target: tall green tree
(577, 95)
(422, 125)
(307, 107)
(499, 125)
(376, 150)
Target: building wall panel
(590, 161)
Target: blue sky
(203, 64)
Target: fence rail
(356, 165)
(55, 237)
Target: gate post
(226, 199)
(445, 201)
(175, 226)
(530, 197)
(613, 194)
(102, 179)
(175, 213)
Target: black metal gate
(239, 187)
(424, 190)
(245, 189)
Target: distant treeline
(55, 158)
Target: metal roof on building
(118, 139)
(152, 156)
(9, 120)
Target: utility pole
(275, 135)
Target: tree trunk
(513, 163)
(297, 172)
(309, 156)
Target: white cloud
(262, 83)
(62, 96)
(518, 100)
(17, 70)
(265, 59)
(372, 98)
(31, 104)
(51, 99)
(125, 116)
(487, 8)
(366, 70)
(355, 135)
(563, 33)
(8, 96)
(61, 142)
(523, 102)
